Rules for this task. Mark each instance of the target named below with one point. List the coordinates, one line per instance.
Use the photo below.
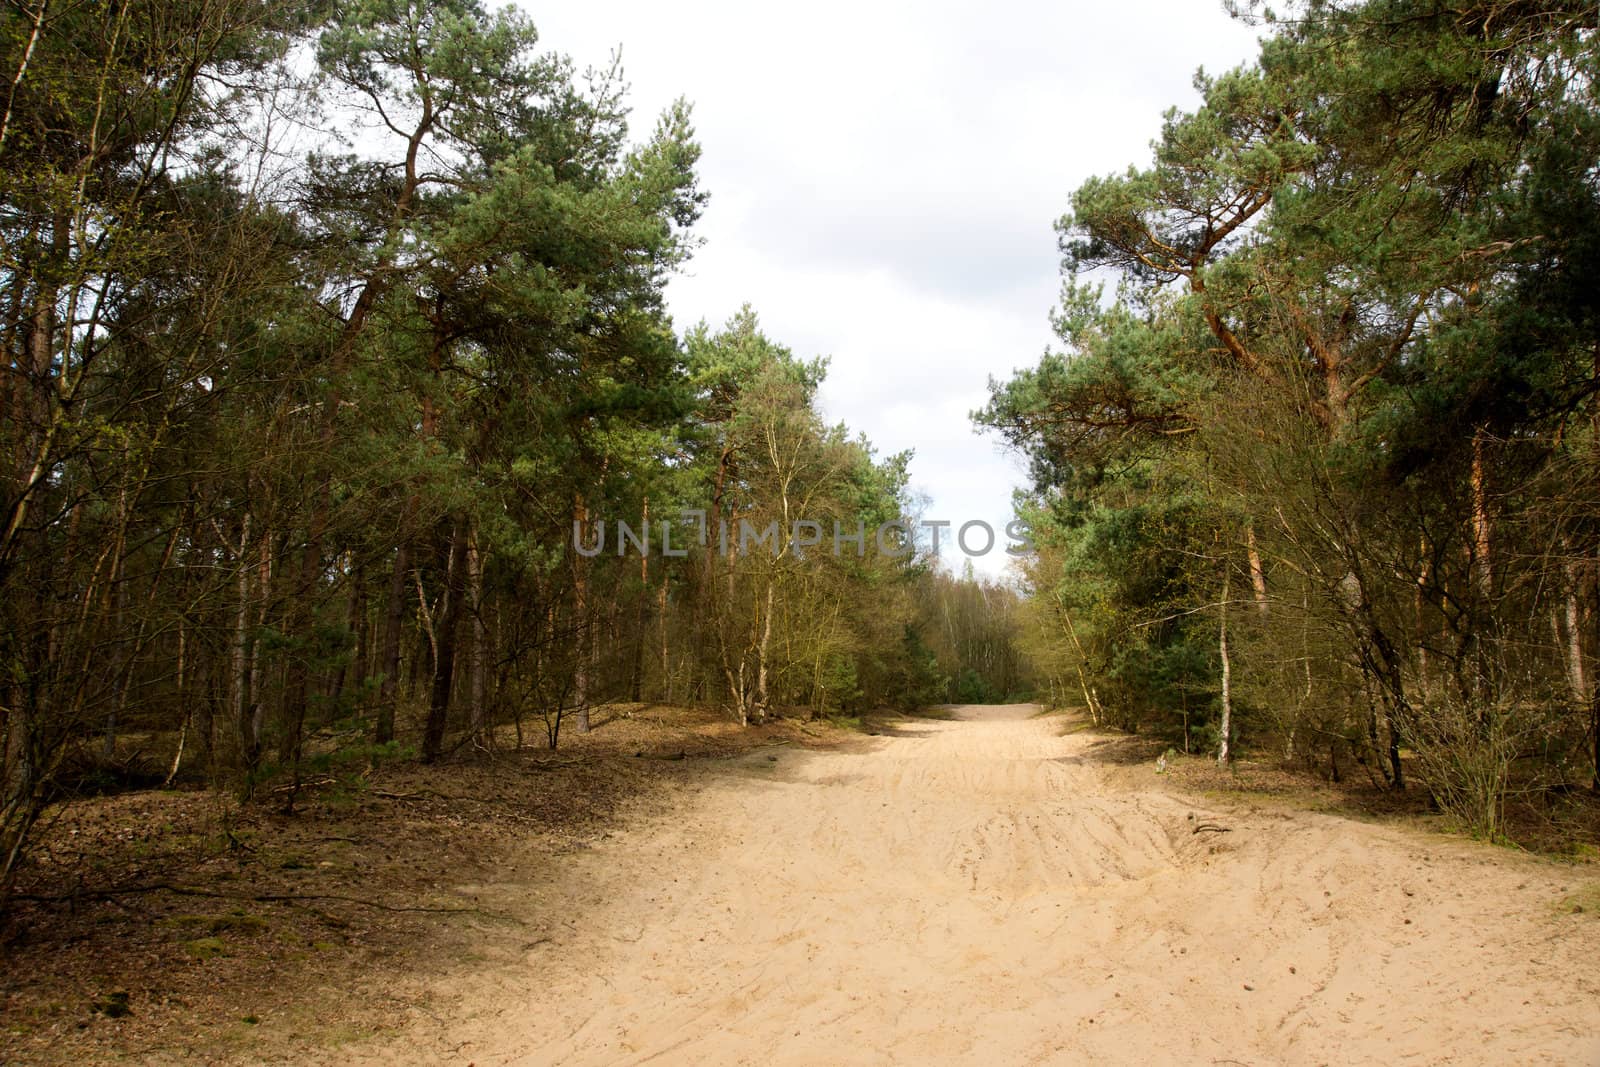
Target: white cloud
(884, 176)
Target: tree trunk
(34, 459)
(580, 614)
(636, 678)
(1594, 728)
(445, 659)
(1380, 660)
(301, 615)
(205, 726)
(477, 711)
(429, 631)
(1482, 574)
(1577, 679)
(666, 663)
(183, 708)
(353, 673)
(763, 700)
(1393, 708)
(243, 665)
(1090, 697)
(1258, 575)
(1594, 698)
(1418, 624)
(120, 669)
(1224, 753)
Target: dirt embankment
(983, 890)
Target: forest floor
(996, 886)
(182, 926)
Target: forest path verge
(980, 891)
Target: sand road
(975, 892)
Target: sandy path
(974, 892)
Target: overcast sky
(884, 176)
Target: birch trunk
(763, 700)
(1577, 677)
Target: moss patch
(205, 948)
